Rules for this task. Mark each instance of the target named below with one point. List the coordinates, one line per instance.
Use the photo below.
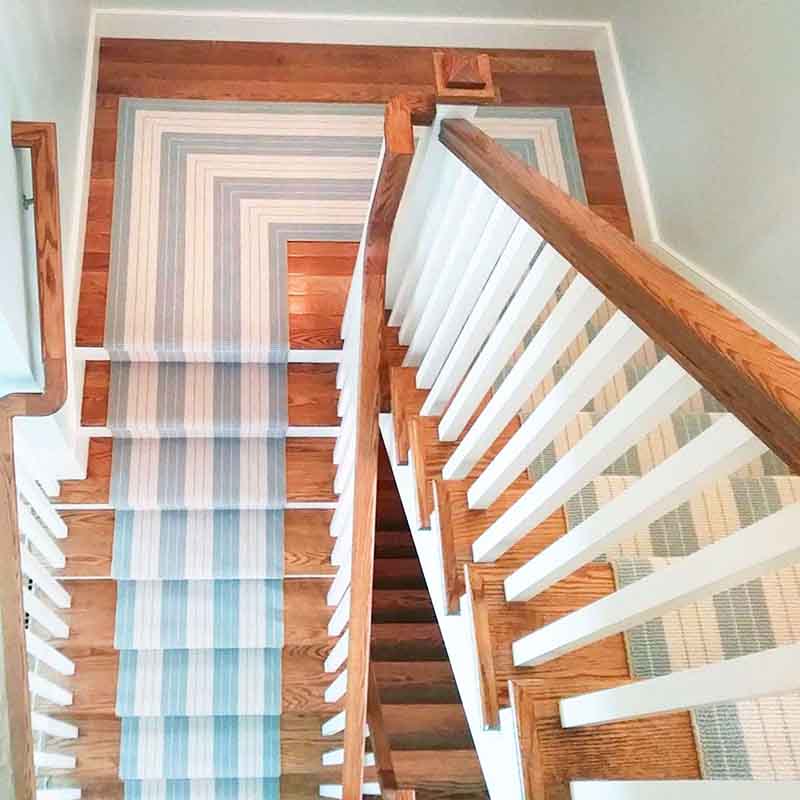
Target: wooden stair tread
(394, 544)
(88, 546)
(498, 623)
(654, 748)
(312, 394)
(97, 747)
(407, 641)
(411, 682)
(317, 282)
(309, 472)
(402, 605)
(398, 573)
(303, 681)
(91, 616)
(460, 526)
(438, 726)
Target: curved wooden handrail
(398, 152)
(754, 378)
(40, 137)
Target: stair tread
(402, 605)
(311, 389)
(654, 748)
(309, 472)
(410, 682)
(407, 641)
(88, 547)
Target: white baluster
(594, 368)
(338, 654)
(65, 793)
(453, 312)
(717, 452)
(421, 324)
(33, 569)
(44, 615)
(340, 583)
(533, 294)
(335, 758)
(45, 652)
(53, 727)
(560, 328)
(516, 258)
(50, 691)
(45, 760)
(340, 616)
(371, 789)
(769, 672)
(40, 537)
(666, 387)
(749, 553)
(686, 790)
(41, 504)
(337, 689)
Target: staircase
(607, 546)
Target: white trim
(686, 790)
(296, 356)
(496, 749)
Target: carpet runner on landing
(206, 197)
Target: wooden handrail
(398, 152)
(754, 378)
(40, 137)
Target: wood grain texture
(398, 152)
(754, 378)
(88, 548)
(406, 402)
(311, 389)
(379, 738)
(40, 139)
(464, 77)
(309, 472)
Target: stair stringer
(497, 750)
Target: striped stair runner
(756, 739)
(207, 195)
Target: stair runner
(755, 739)
(206, 196)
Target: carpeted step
(198, 683)
(178, 748)
(220, 789)
(166, 615)
(655, 447)
(198, 473)
(753, 739)
(165, 399)
(176, 545)
(710, 515)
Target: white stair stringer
(497, 749)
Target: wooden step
(407, 641)
(460, 526)
(97, 748)
(402, 605)
(309, 472)
(412, 682)
(438, 774)
(398, 573)
(497, 624)
(394, 544)
(318, 279)
(312, 394)
(430, 455)
(91, 616)
(406, 402)
(438, 726)
(88, 546)
(655, 748)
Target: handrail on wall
(40, 139)
(754, 378)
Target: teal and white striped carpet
(206, 197)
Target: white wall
(43, 53)
(716, 99)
